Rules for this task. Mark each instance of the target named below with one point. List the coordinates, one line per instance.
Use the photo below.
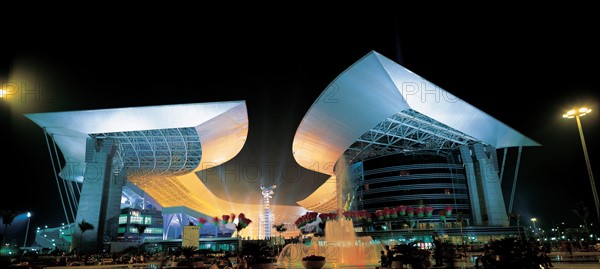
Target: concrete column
(492, 191)
(465, 153)
(100, 195)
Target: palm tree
(84, 226)
(459, 219)
(188, 252)
(280, 229)
(140, 228)
(8, 216)
(516, 216)
(582, 212)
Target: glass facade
(416, 180)
(129, 218)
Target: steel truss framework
(406, 131)
(174, 151)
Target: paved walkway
(559, 260)
(557, 265)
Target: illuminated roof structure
(377, 107)
(160, 148)
(155, 140)
(323, 199)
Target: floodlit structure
(147, 156)
(383, 134)
(398, 139)
(267, 218)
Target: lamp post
(577, 113)
(27, 230)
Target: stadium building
(386, 137)
(393, 141)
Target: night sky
(523, 74)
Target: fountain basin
(313, 264)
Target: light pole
(577, 113)
(533, 220)
(27, 230)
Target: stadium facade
(386, 136)
(389, 138)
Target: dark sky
(525, 73)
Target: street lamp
(533, 220)
(27, 230)
(577, 113)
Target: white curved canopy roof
(323, 199)
(221, 129)
(376, 98)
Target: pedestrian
(570, 248)
(389, 253)
(383, 259)
(438, 251)
(545, 260)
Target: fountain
(340, 246)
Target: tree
(280, 229)
(84, 226)
(188, 252)
(140, 229)
(8, 216)
(460, 219)
(516, 216)
(582, 212)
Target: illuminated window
(136, 219)
(122, 219)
